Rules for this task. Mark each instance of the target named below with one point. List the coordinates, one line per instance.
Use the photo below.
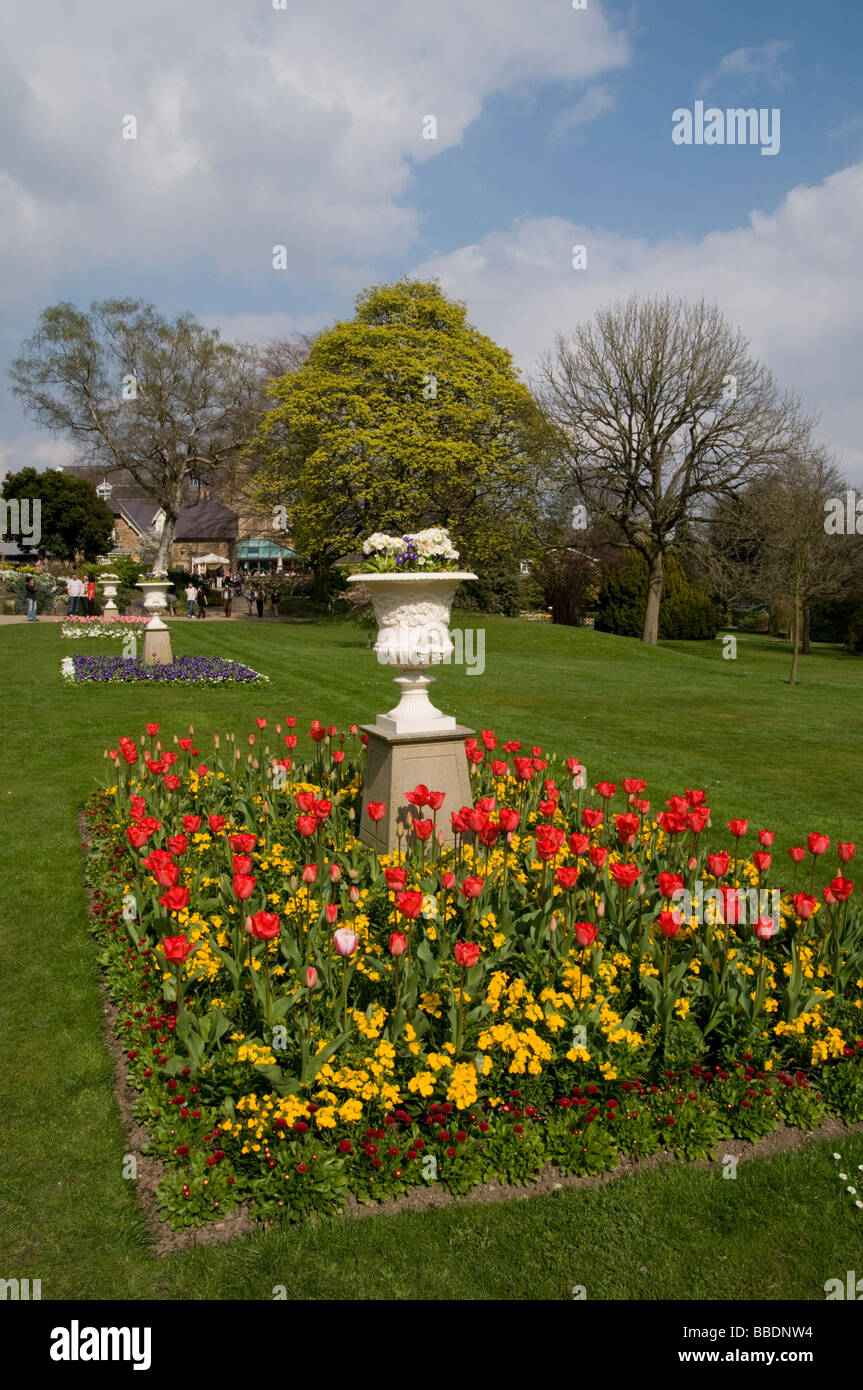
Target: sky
(309, 127)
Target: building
(205, 526)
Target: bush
(686, 615)
(495, 591)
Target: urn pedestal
(413, 742)
(157, 644)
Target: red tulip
(845, 851)
(472, 887)
(310, 873)
(175, 899)
(152, 730)
(627, 827)
(549, 839)
(842, 888)
(396, 879)
(697, 818)
(738, 828)
(375, 810)
(191, 824)
(818, 844)
(764, 928)
(695, 798)
(633, 786)
(607, 790)
(524, 769)
(797, 854)
(410, 904)
(422, 828)
(625, 874)
(566, 876)
(166, 875)
(804, 905)
(217, 823)
(598, 855)
(669, 923)
(669, 884)
(242, 842)
(242, 864)
(448, 880)
(489, 740)
(307, 825)
(265, 925)
(177, 948)
(499, 767)
(672, 822)
(766, 838)
(418, 797)
(762, 860)
(585, 933)
(579, 844)
(171, 782)
(244, 886)
(466, 954)
(508, 819)
(591, 818)
(398, 943)
(136, 836)
(310, 977)
(331, 913)
(717, 864)
(436, 800)
(177, 844)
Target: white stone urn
(154, 594)
(109, 582)
(413, 612)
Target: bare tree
(166, 402)
(771, 541)
(659, 407)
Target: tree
(771, 542)
(687, 615)
(658, 407)
(403, 417)
(166, 402)
(74, 521)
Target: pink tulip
(345, 941)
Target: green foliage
(403, 417)
(686, 615)
(74, 519)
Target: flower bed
(189, 670)
(305, 1020)
(104, 628)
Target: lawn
(679, 715)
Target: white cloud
(255, 126)
(34, 449)
(597, 101)
(759, 64)
(792, 280)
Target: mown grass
(678, 715)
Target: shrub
(687, 614)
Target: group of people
(81, 594)
(254, 594)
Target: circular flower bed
(574, 978)
(197, 670)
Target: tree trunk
(797, 624)
(166, 542)
(650, 632)
(805, 643)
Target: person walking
(229, 599)
(259, 600)
(191, 596)
(250, 597)
(275, 600)
(31, 597)
(202, 603)
(91, 597)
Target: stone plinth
(397, 763)
(157, 644)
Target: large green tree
(74, 521)
(403, 417)
(166, 402)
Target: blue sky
(303, 127)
